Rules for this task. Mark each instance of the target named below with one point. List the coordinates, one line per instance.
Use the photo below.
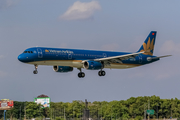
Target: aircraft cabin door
(104, 55)
(69, 56)
(40, 54)
(140, 58)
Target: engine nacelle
(62, 68)
(93, 65)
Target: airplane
(64, 60)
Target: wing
(118, 59)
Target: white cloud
(169, 47)
(136, 75)
(1, 56)
(170, 68)
(7, 3)
(163, 76)
(81, 11)
(2, 74)
(136, 43)
(63, 45)
(110, 47)
(160, 72)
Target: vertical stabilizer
(148, 45)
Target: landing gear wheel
(101, 73)
(35, 71)
(81, 75)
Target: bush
(138, 118)
(58, 118)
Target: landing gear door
(40, 54)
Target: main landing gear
(81, 74)
(101, 73)
(35, 71)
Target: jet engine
(62, 68)
(93, 65)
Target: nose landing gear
(101, 73)
(81, 74)
(35, 71)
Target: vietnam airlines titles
(64, 60)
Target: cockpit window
(28, 52)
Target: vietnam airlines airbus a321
(64, 60)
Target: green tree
(33, 110)
(16, 111)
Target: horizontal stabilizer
(160, 57)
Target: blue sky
(118, 25)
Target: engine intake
(93, 65)
(62, 68)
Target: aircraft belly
(72, 63)
(78, 64)
(120, 66)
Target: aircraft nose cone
(25, 58)
(20, 58)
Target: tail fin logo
(148, 47)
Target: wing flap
(119, 58)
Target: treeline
(133, 108)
